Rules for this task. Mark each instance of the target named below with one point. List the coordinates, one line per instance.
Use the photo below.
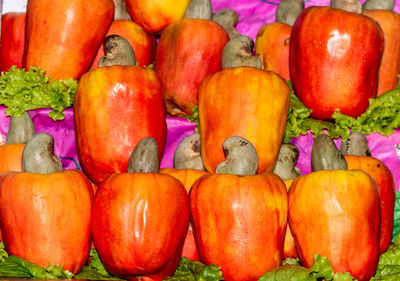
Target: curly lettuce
(189, 270)
(389, 263)
(291, 270)
(16, 267)
(95, 269)
(22, 91)
(382, 116)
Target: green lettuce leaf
(95, 270)
(13, 270)
(14, 266)
(293, 271)
(89, 273)
(382, 116)
(22, 90)
(3, 252)
(396, 224)
(389, 262)
(299, 121)
(189, 270)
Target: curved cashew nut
(187, 155)
(228, 19)
(285, 166)
(38, 155)
(325, 155)
(355, 144)
(117, 51)
(199, 9)
(144, 157)
(288, 11)
(241, 157)
(21, 129)
(239, 52)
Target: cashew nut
(199, 9)
(239, 52)
(326, 156)
(353, 6)
(241, 157)
(144, 157)
(117, 51)
(187, 155)
(228, 19)
(288, 11)
(355, 144)
(21, 129)
(285, 166)
(38, 155)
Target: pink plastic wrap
(252, 15)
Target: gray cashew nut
(326, 156)
(117, 51)
(288, 11)
(239, 52)
(228, 19)
(285, 166)
(199, 9)
(144, 158)
(379, 5)
(187, 154)
(120, 10)
(38, 155)
(21, 129)
(241, 157)
(353, 6)
(355, 144)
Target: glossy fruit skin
(54, 217)
(237, 219)
(149, 214)
(383, 178)
(143, 44)
(184, 58)
(114, 108)
(334, 60)
(187, 177)
(272, 46)
(156, 15)
(247, 102)
(389, 68)
(328, 216)
(12, 40)
(62, 36)
(289, 247)
(11, 157)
